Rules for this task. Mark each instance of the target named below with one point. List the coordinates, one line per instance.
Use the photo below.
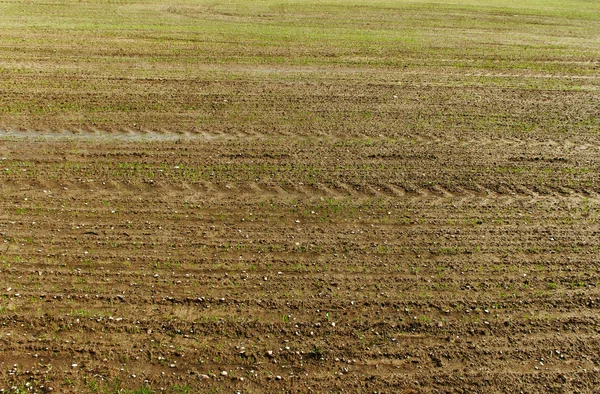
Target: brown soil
(260, 196)
(388, 265)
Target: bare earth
(411, 227)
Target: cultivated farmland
(299, 196)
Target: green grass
(258, 65)
(130, 37)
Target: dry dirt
(299, 206)
(296, 265)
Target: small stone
(224, 373)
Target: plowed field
(299, 196)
